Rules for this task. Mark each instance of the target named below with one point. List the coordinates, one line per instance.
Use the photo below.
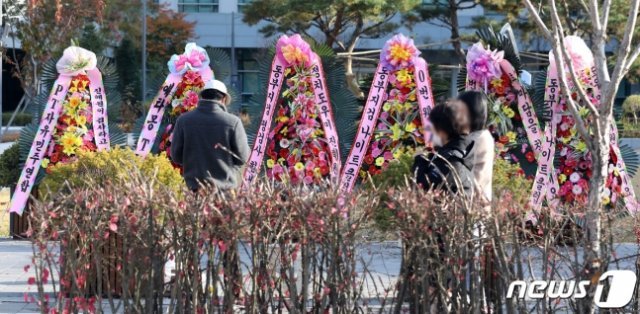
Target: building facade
(219, 24)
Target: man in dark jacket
(450, 166)
(210, 143)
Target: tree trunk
(594, 265)
(352, 81)
(455, 31)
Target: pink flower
(483, 65)
(308, 180)
(376, 151)
(579, 52)
(190, 99)
(294, 51)
(277, 169)
(193, 58)
(398, 52)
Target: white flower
(577, 190)
(76, 60)
(175, 103)
(284, 143)
(564, 151)
(606, 193)
(574, 177)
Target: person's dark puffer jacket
(437, 170)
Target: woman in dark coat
(450, 166)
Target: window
(248, 73)
(242, 4)
(194, 6)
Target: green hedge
(21, 119)
(10, 166)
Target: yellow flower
(386, 106)
(283, 119)
(398, 52)
(496, 82)
(606, 200)
(412, 97)
(81, 120)
(397, 154)
(270, 163)
(83, 105)
(403, 76)
(408, 106)
(410, 127)
(45, 163)
(299, 166)
(562, 177)
(512, 136)
(508, 112)
(74, 102)
(581, 146)
(379, 161)
(317, 173)
(70, 142)
(397, 132)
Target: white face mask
(436, 140)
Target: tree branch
(623, 54)
(557, 25)
(537, 19)
(606, 6)
(556, 44)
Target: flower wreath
(74, 119)
(395, 115)
(573, 164)
(302, 147)
(179, 94)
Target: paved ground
(14, 255)
(382, 262)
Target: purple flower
(483, 65)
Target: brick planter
(18, 225)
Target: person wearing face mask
(450, 166)
(484, 148)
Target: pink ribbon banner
(45, 131)
(154, 116)
(366, 128)
(630, 201)
(545, 183)
(424, 94)
(529, 117)
(276, 79)
(99, 105)
(326, 116)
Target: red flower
(368, 159)
(530, 156)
